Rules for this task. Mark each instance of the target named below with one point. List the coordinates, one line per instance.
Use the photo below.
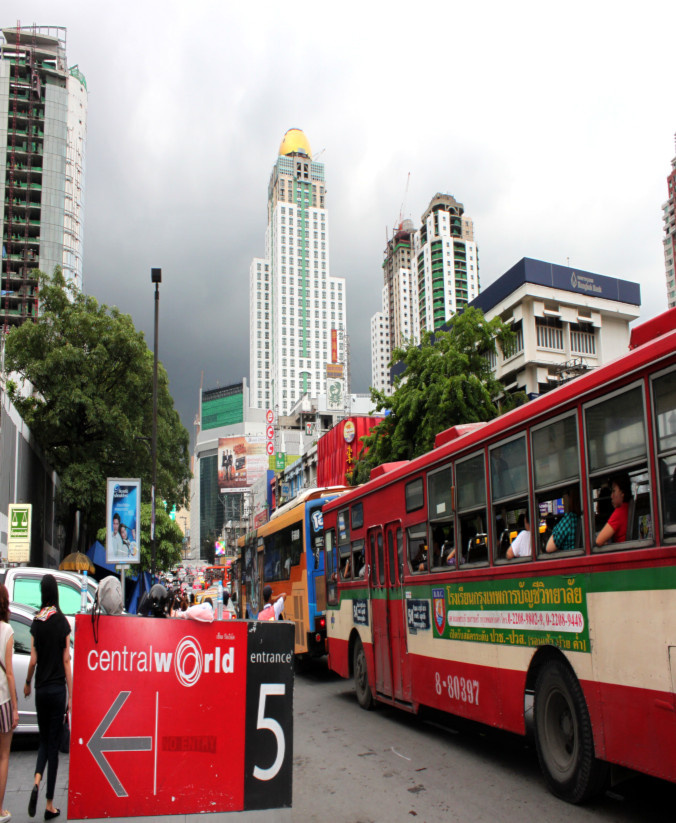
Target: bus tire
(361, 676)
(563, 736)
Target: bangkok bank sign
(178, 717)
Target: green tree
(447, 380)
(90, 407)
(168, 539)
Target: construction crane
(403, 204)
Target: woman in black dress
(50, 653)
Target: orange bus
(287, 553)
(431, 602)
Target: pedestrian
(9, 706)
(270, 610)
(50, 656)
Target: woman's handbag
(64, 742)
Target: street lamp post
(156, 278)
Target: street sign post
(159, 738)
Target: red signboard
(334, 346)
(336, 455)
(179, 717)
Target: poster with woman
(123, 520)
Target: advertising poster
(241, 461)
(123, 521)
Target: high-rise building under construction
(297, 318)
(43, 117)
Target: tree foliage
(446, 381)
(90, 408)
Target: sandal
(5, 816)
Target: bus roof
(657, 341)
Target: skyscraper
(445, 260)
(429, 274)
(297, 319)
(669, 216)
(43, 111)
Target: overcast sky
(552, 123)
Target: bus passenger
(616, 527)
(520, 546)
(563, 534)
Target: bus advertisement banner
(188, 718)
(529, 612)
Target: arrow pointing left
(98, 744)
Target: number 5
(272, 725)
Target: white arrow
(98, 744)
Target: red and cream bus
(427, 606)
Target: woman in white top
(9, 707)
(520, 546)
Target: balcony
(582, 342)
(549, 337)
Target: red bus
(429, 604)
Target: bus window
(618, 469)
(381, 560)
(391, 559)
(345, 562)
(417, 548)
(358, 559)
(330, 566)
(664, 400)
(557, 524)
(415, 496)
(400, 555)
(372, 559)
(357, 516)
(470, 478)
(509, 484)
(440, 515)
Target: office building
(297, 310)
(669, 218)
(43, 111)
(565, 321)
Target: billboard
(223, 406)
(123, 520)
(241, 461)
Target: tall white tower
(297, 318)
(43, 125)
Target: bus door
(397, 623)
(379, 612)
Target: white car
(23, 586)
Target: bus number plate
(458, 688)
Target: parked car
(23, 586)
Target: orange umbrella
(77, 562)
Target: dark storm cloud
(558, 147)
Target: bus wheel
(361, 677)
(563, 736)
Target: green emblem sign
(19, 537)
(280, 461)
(19, 521)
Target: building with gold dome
(297, 317)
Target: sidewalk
(20, 782)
